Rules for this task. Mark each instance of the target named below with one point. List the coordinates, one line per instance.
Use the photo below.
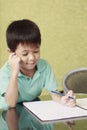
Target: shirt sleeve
(3, 103)
(50, 80)
(3, 88)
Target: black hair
(22, 31)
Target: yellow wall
(63, 24)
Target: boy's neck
(28, 73)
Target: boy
(24, 75)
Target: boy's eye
(25, 54)
(36, 51)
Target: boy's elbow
(12, 105)
(11, 102)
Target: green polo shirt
(29, 88)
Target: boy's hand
(69, 101)
(14, 62)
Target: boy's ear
(9, 50)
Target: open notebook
(51, 111)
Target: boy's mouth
(31, 64)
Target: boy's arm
(11, 94)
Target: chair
(76, 80)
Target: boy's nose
(30, 56)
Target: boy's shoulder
(42, 61)
(42, 64)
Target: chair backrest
(76, 80)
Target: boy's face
(29, 55)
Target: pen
(56, 92)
